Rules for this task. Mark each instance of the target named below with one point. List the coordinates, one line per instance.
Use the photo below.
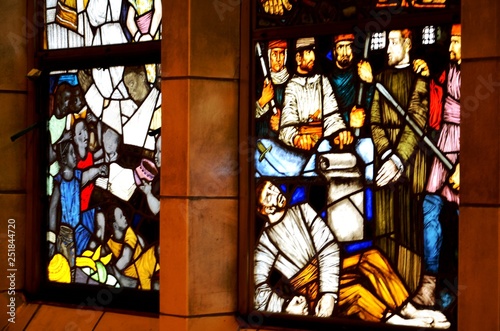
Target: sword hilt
(263, 150)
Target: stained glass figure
(356, 176)
(103, 177)
(82, 23)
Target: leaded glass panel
(357, 176)
(103, 178)
(83, 23)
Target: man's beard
(309, 68)
(453, 57)
(344, 62)
(392, 61)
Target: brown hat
(343, 37)
(456, 30)
(281, 43)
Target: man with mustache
(296, 242)
(346, 77)
(400, 163)
(310, 111)
(442, 185)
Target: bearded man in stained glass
(298, 243)
(400, 163)
(443, 185)
(346, 77)
(310, 111)
(298, 270)
(148, 99)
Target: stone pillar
(13, 100)
(199, 188)
(478, 285)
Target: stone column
(199, 188)
(13, 118)
(478, 284)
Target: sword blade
(414, 126)
(265, 153)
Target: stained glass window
(82, 23)
(429, 35)
(103, 176)
(378, 41)
(103, 150)
(356, 173)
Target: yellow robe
(143, 264)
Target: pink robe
(449, 139)
(144, 22)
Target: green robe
(398, 221)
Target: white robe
(304, 95)
(289, 246)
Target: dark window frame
(37, 287)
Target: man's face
(343, 53)
(397, 49)
(271, 199)
(456, 49)
(306, 60)
(135, 85)
(277, 58)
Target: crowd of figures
(357, 176)
(103, 181)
